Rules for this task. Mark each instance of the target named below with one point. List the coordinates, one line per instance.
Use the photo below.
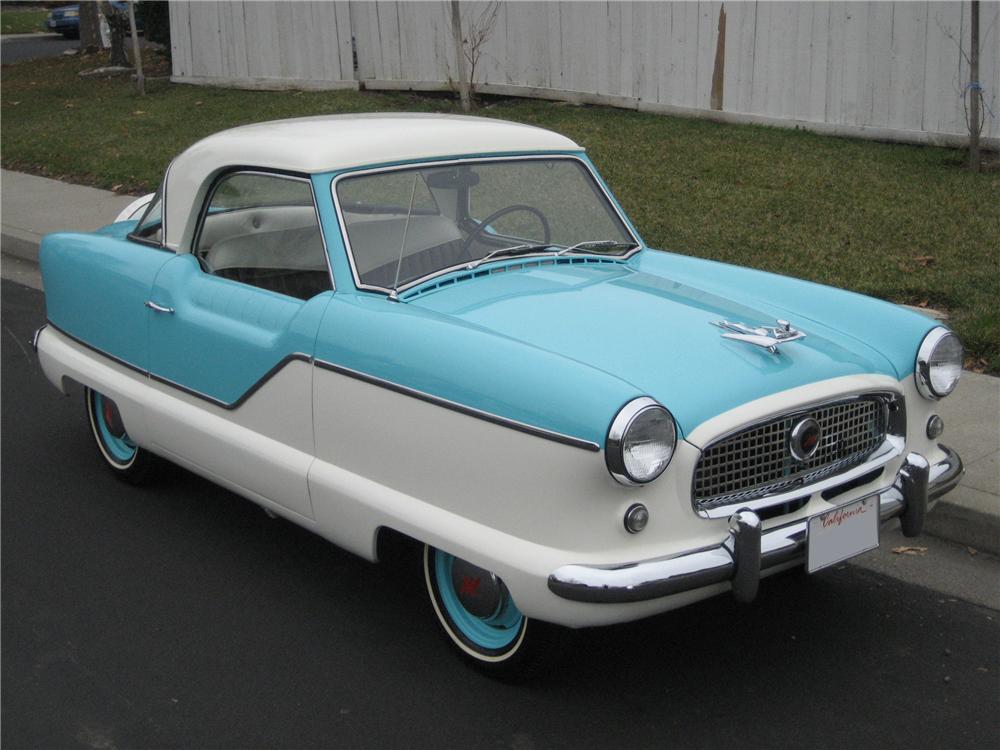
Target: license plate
(842, 533)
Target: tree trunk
(463, 77)
(90, 27)
(974, 92)
(117, 21)
(140, 79)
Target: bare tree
(469, 45)
(976, 92)
(972, 92)
(140, 79)
(463, 78)
(477, 32)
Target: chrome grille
(756, 461)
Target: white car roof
(334, 142)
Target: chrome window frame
(162, 192)
(219, 177)
(598, 184)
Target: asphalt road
(182, 616)
(40, 45)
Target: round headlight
(640, 442)
(939, 363)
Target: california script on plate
(842, 533)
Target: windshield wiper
(597, 245)
(512, 250)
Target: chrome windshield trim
(430, 398)
(598, 183)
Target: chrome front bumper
(747, 550)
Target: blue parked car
(447, 329)
(65, 20)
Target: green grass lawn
(903, 223)
(14, 20)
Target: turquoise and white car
(446, 328)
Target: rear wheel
(479, 615)
(126, 460)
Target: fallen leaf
(69, 105)
(115, 188)
(909, 550)
(922, 303)
(139, 112)
(924, 260)
(197, 104)
(15, 103)
(973, 551)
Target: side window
(261, 229)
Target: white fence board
(880, 69)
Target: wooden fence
(895, 71)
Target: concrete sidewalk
(31, 207)
(970, 514)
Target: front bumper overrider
(747, 551)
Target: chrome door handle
(158, 308)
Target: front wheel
(126, 460)
(479, 616)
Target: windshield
(407, 224)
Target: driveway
(23, 47)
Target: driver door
(232, 328)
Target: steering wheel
(546, 231)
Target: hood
(654, 329)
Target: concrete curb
(32, 35)
(955, 521)
(969, 515)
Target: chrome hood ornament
(769, 338)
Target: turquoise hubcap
(494, 631)
(109, 424)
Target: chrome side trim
(373, 380)
(598, 184)
(230, 405)
(460, 408)
(745, 551)
(81, 342)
